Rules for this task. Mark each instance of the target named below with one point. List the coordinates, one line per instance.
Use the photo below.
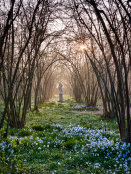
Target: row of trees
(25, 36)
(104, 29)
(108, 25)
(92, 42)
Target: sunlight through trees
(84, 44)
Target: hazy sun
(82, 47)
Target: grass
(58, 140)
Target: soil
(99, 112)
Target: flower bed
(74, 149)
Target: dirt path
(99, 112)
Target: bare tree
(105, 19)
(30, 30)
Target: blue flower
(124, 155)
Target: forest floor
(96, 112)
(59, 140)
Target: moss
(38, 127)
(24, 132)
(70, 144)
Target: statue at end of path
(60, 88)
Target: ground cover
(58, 140)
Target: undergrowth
(59, 140)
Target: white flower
(39, 148)
(120, 165)
(97, 165)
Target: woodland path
(99, 112)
